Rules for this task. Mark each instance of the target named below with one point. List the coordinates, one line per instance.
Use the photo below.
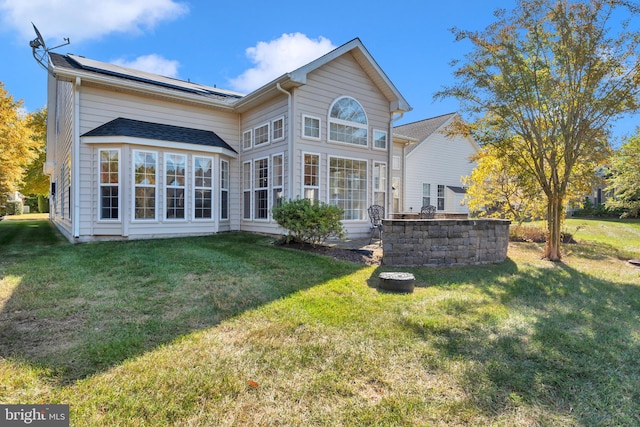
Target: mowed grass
(232, 330)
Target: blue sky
(242, 45)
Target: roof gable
(423, 129)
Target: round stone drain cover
(397, 282)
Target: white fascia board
(105, 140)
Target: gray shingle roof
(158, 131)
(420, 130)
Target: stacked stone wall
(444, 242)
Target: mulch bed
(359, 256)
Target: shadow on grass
(547, 337)
(81, 309)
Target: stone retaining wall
(444, 242)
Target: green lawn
(232, 330)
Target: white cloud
(277, 57)
(153, 64)
(86, 19)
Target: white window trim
(165, 186)
(312, 138)
(429, 196)
(383, 189)
(347, 123)
(367, 203)
(272, 180)
(244, 190)
(283, 130)
(195, 187)
(224, 189)
(386, 134)
(110, 220)
(256, 189)
(268, 141)
(303, 187)
(250, 146)
(133, 187)
(397, 162)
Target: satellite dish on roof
(40, 49)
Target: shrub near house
(309, 222)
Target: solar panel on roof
(145, 77)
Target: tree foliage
(17, 148)
(624, 178)
(35, 181)
(496, 188)
(547, 80)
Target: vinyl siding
(99, 106)
(266, 113)
(63, 135)
(438, 161)
(341, 77)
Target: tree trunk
(554, 225)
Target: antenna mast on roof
(40, 49)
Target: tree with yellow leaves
(17, 148)
(552, 75)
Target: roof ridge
(428, 118)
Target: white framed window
(246, 190)
(396, 163)
(202, 187)
(380, 183)
(426, 194)
(277, 129)
(261, 135)
(348, 122)
(440, 198)
(379, 139)
(277, 179)
(311, 127)
(175, 170)
(247, 140)
(261, 188)
(311, 176)
(224, 190)
(348, 186)
(144, 185)
(109, 182)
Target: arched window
(347, 122)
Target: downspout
(389, 208)
(289, 142)
(75, 164)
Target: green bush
(309, 222)
(43, 204)
(14, 207)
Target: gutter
(75, 164)
(389, 207)
(289, 141)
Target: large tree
(35, 181)
(551, 76)
(624, 179)
(17, 148)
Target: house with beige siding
(430, 166)
(136, 155)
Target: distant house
(429, 166)
(136, 155)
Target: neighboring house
(136, 155)
(429, 166)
